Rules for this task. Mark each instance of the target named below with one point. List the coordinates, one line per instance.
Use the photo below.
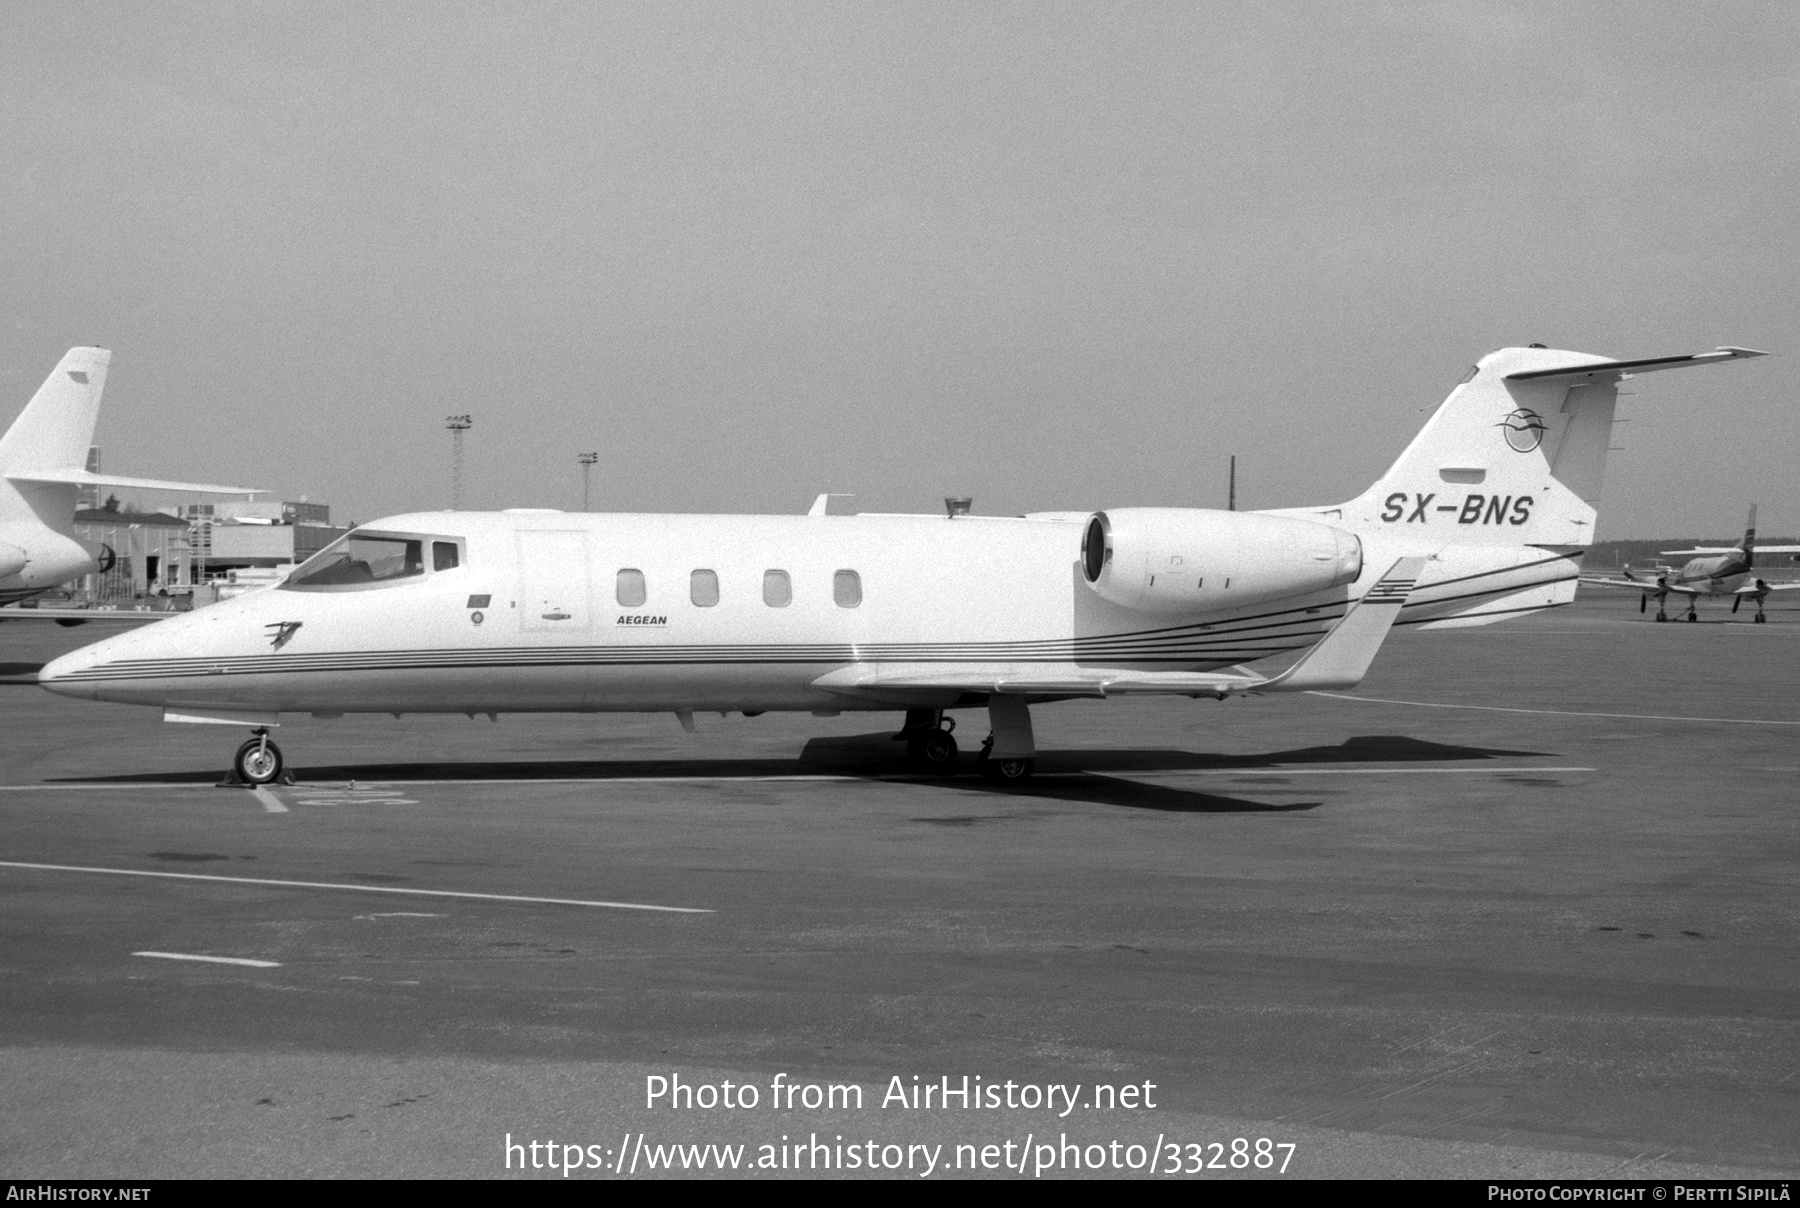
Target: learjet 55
(1485, 516)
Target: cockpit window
(367, 560)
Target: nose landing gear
(257, 762)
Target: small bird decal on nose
(280, 632)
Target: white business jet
(43, 459)
(1485, 515)
(1713, 571)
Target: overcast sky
(1051, 256)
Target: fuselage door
(553, 581)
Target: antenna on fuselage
(587, 461)
(458, 424)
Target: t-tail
(1750, 540)
(1501, 487)
(52, 434)
(43, 466)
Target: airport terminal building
(173, 550)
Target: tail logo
(1525, 429)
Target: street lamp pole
(458, 424)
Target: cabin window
(703, 588)
(846, 588)
(778, 589)
(361, 560)
(443, 555)
(631, 588)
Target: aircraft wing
(1731, 549)
(1339, 661)
(81, 616)
(1644, 585)
(1750, 589)
(82, 478)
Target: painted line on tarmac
(424, 893)
(1336, 771)
(270, 801)
(216, 960)
(304, 789)
(1426, 704)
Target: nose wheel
(258, 761)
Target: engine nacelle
(1187, 560)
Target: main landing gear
(258, 761)
(1759, 618)
(1008, 756)
(927, 734)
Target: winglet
(1343, 658)
(822, 505)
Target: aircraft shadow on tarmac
(1098, 776)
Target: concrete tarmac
(1521, 905)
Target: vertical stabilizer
(56, 427)
(1515, 456)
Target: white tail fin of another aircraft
(43, 456)
(1515, 456)
(56, 427)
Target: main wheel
(935, 751)
(1692, 617)
(1007, 771)
(1760, 619)
(257, 762)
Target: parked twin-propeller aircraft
(43, 460)
(1715, 572)
(1485, 515)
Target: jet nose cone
(63, 676)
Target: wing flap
(1339, 661)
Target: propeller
(1644, 603)
(1735, 601)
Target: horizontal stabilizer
(85, 478)
(1603, 371)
